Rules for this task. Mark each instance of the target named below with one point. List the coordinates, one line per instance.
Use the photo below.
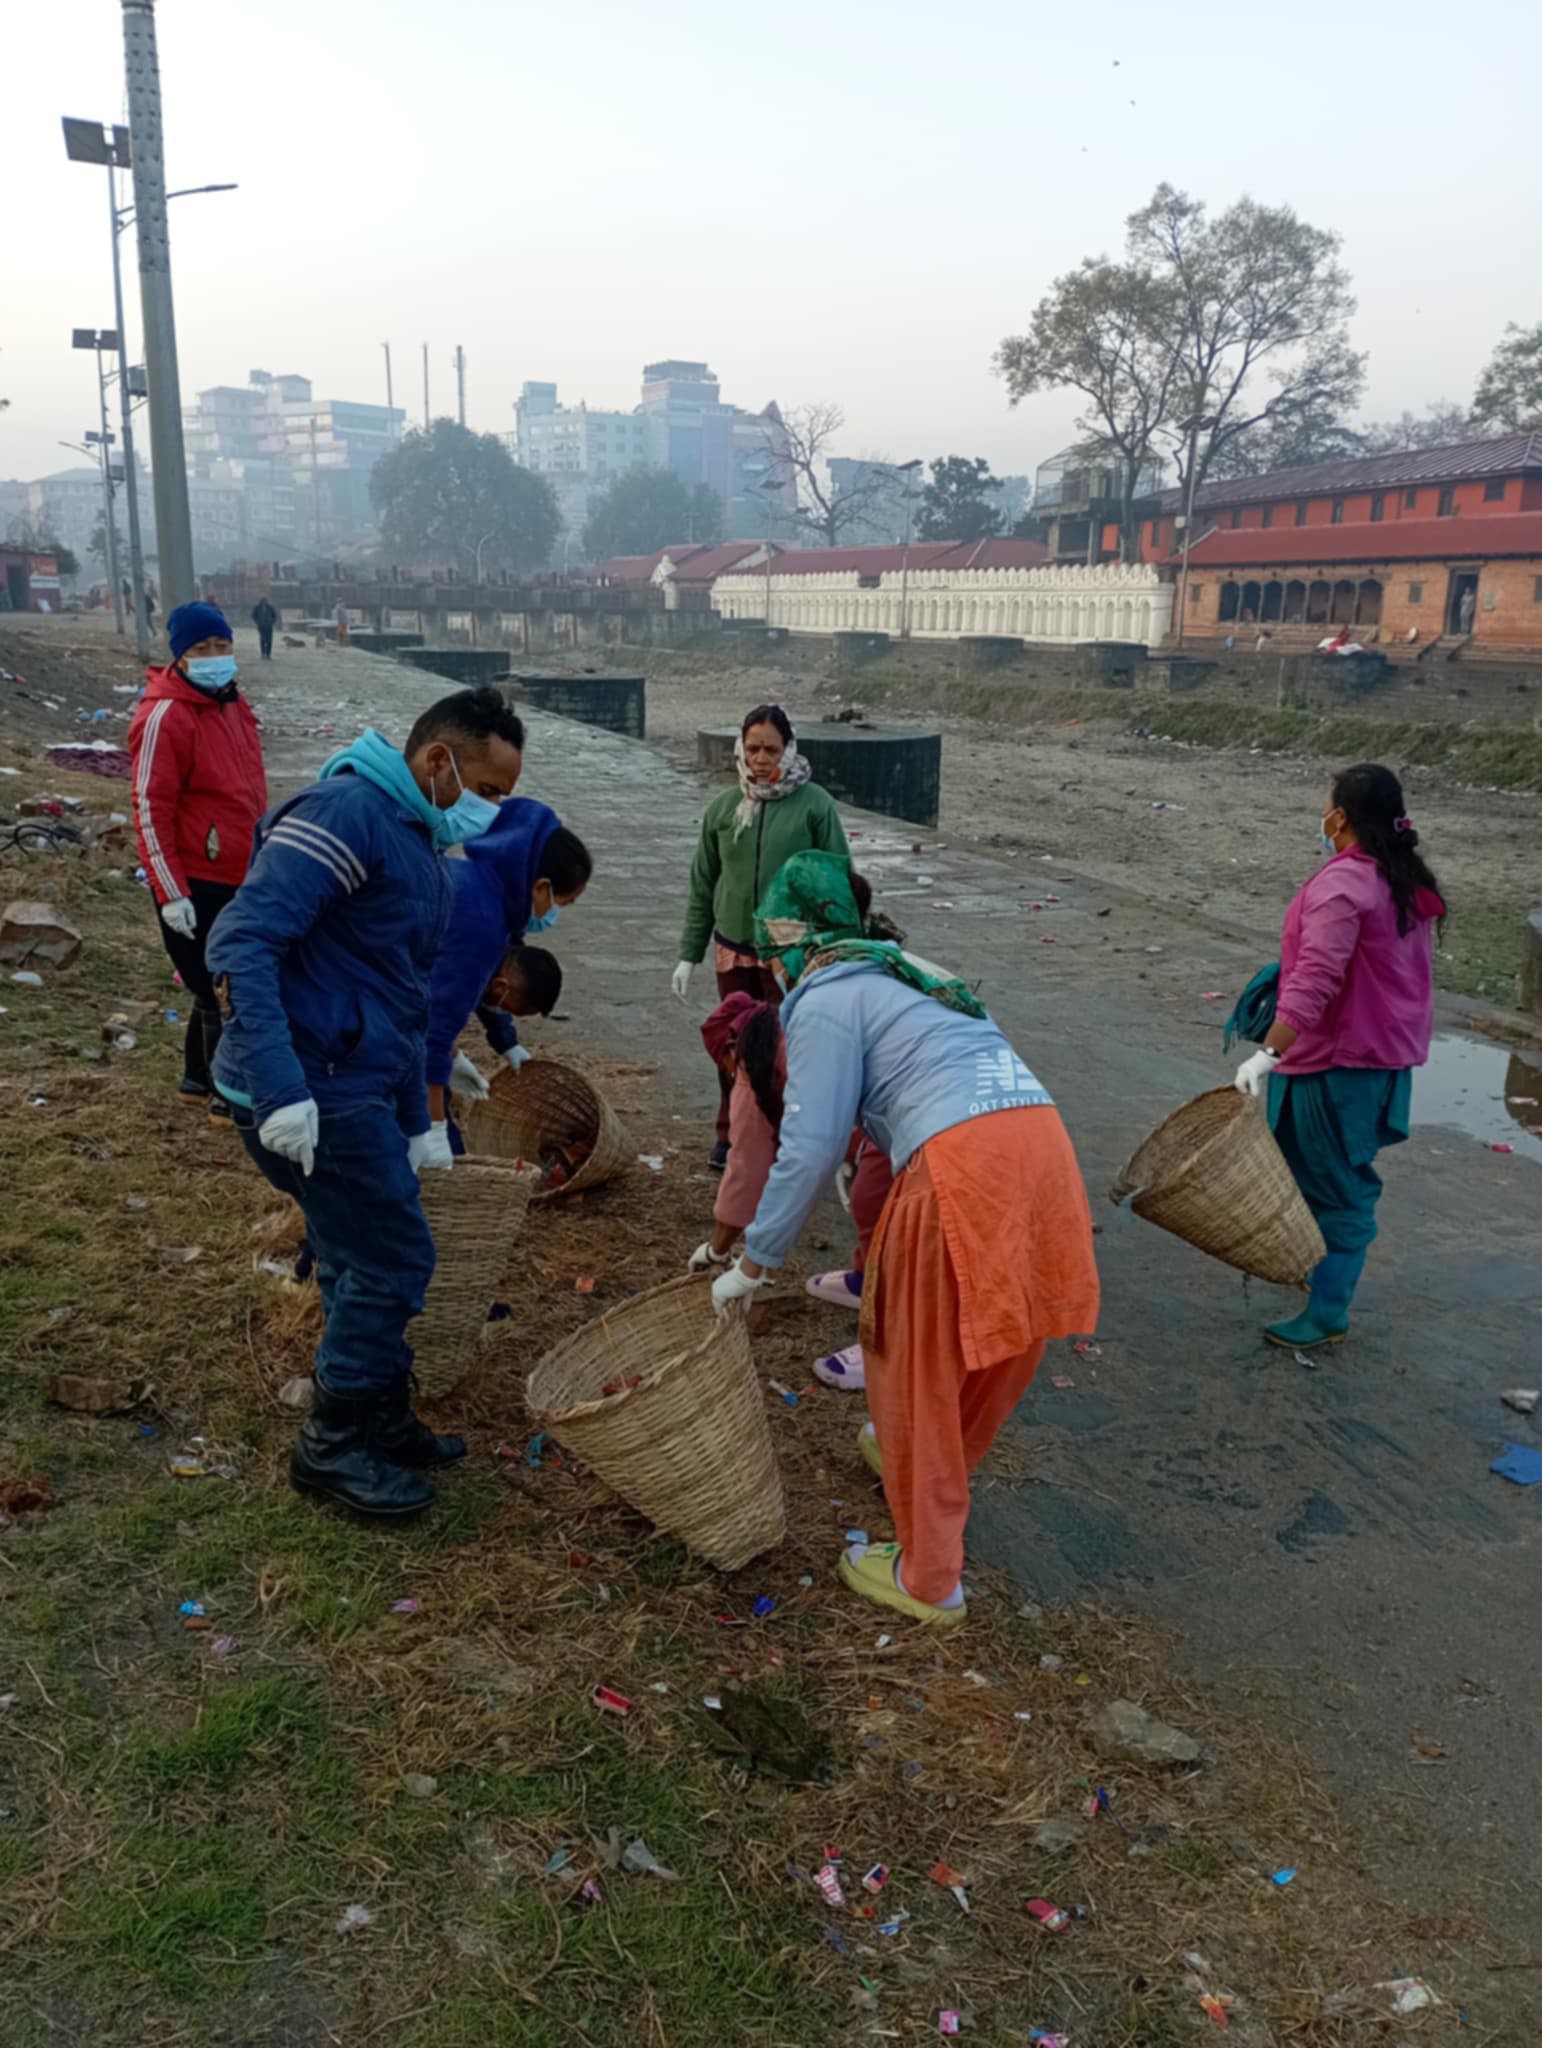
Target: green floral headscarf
(809, 918)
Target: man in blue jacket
(323, 959)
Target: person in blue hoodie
(516, 880)
(322, 960)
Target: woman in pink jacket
(1352, 1020)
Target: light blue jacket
(864, 1048)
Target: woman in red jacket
(199, 790)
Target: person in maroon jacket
(199, 790)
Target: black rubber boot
(212, 1025)
(195, 1061)
(336, 1458)
(397, 1434)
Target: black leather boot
(397, 1434)
(195, 1061)
(212, 1024)
(336, 1459)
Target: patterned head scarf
(809, 918)
(792, 772)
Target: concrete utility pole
(174, 532)
(390, 394)
(125, 399)
(460, 382)
(425, 387)
(109, 511)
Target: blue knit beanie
(190, 623)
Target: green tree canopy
(643, 510)
(1509, 394)
(962, 500)
(442, 493)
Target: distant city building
(681, 424)
(882, 489)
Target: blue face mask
(212, 672)
(545, 921)
(467, 818)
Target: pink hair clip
(1402, 824)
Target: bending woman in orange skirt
(984, 1248)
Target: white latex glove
(430, 1148)
(735, 1285)
(704, 1256)
(180, 917)
(466, 1079)
(516, 1056)
(680, 980)
(1253, 1074)
(843, 1181)
(291, 1131)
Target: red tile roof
(923, 554)
(1507, 455)
(703, 565)
(1391, 540)
(640, 568)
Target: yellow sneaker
(867, 1444)
(871, 1573)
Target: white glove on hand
(180, 917)
(466, 1079)
(516, 1056)
(291, 1131)
(704, 1256)
(843, 1181)
(680, 980)
(430, 1148)
(735, 1285)
(1253, 1074)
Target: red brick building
(29, 581)
(1426, 543)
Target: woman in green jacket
(746, 836)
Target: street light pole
(173, 523)
(130, 480)
(907, 470)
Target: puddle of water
(1469, 1084)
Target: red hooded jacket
(199, 786)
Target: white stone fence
(1058, 606)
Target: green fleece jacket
(729, 875)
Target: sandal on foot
(843, 1369)
(840, 1290)
(869, 1571)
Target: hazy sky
(834, 199)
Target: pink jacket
(751, 1155)
(1358, 994)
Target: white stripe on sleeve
(282, 835)
(158, 863)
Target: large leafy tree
(445, 493)
(643, 510)
(1107, 330)
(1509, 394)
(962, 500)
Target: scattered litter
(893, 1924)
(806, 1579)
(1428, 1747)
(1301, 1358)
(1039, 2037)
(180, 1254)
(875, 1879)
(92, 1396)
(1086, 1348)
(1022, 1714)
(222, 1646)
(1210, 995)
(658, 1685)
(558, 1860)
(589, 1893)
(1062, 1381)
(1520, 1463)
(838, 1941)
(27, 979)
(1218, 2005)
(1053, 1919)
(1282, 1877)
(297, 1393)
(1522, 1399)
(353, 1917)
(829, 1884)
(1522, 1101)
(1501, 1148)
(786, 1393)
(419, 1785)
(583, 1286)
(712, 1703)
(191, 1607)
(654, 1161)
(1409, 1994)
(948, 2021)
(638, 1858)
(856, 1536)
(1050, 1662)
(408, 1606)
(194, 1464)
(978, 1678)
(136, 1201)
(1130, 1731)
(764, 1605)
(278, 1268)
(609, 1701)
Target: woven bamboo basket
(474, 1212)
(1213, 1175)
(688, 1445)
(546, 1104)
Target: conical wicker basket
(545, 1104)
(474, 1211)
(688, 1445)
(1213, 1175)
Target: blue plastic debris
(1283, 1877)
(764, 1605)
(191, 1607)
(856, 1535)
(1519, 1463)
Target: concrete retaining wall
(614, 703)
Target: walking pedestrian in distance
(746, 837)
(265, 618)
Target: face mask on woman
(212, 672)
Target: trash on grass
(93, 1396)
(764, 1605)
(654, 1161)
(1040, 2037)
(1409, 1994)
(353, 1917)
(948, 2021)
(298, 1393)
(829, 1885)
(191, 1607)
(408, 1606)
(419, 1785)
(786, 1393)
(1522, 1399)
(875, 1879)
(638, 1858)
(1053, 1919)
(1282, 1877)
(180, 1254)
(609, 1701)
(1217, 2005)
(856, 1536)
(1520, 1464)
